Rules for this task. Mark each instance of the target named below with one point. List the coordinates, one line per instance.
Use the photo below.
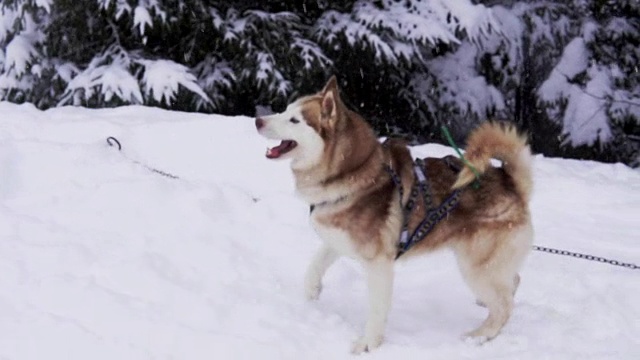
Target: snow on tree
(409, 66)
(21, 37)
(120, 72)
(580, 104)
(162, 78)
(106, 76)
(594, 90)
(459, 86)
(471, 82)
(270, 53)
(427, 50)
(398, 30)
(213, 75)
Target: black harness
(433, 214)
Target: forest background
(565, 71)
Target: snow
(268, 75)
(574, 60)
(110, 74)
(475, 19)
(310, 53)
(45, 4)
(213, 75)
(162, 79)
(102, 259)
(466, 89)
(142, 19)
(586, 118)
(106, 75)
(7, 20)
(19, 54)
(395, 29)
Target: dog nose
(259, 123)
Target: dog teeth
(273, 142)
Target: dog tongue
(275, 152)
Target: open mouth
(284, 147)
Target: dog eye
(294, 120)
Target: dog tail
(503, 142)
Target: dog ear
(329, 95)
(332, 84)
(328, 105)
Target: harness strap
(431, 219)
(411, 202)
(422, 183)
(433, 214)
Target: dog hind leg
(490, 267)
(516, 284)
(321, 262)
(379, 274)
(497, 296)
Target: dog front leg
(321, 262)
(379, 274)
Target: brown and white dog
(338, 165)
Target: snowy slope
(102, 259)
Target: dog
(344, 173)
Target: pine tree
(22, 64)
(397, 78)
(184, 54)
(556, 68)
(593, 91)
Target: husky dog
(346, 176)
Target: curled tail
(503, 142)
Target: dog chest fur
(338, 239)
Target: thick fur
(338, 167)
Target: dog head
(303, 127)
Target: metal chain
(112, 141)
(586, 257)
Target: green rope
(447, 135)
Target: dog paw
(312, 290)
(365, 344)
(474, 340)
(476, 337)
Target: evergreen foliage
(566, 71)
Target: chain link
(586, 257)
(113, 142)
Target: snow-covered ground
(102, 259)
